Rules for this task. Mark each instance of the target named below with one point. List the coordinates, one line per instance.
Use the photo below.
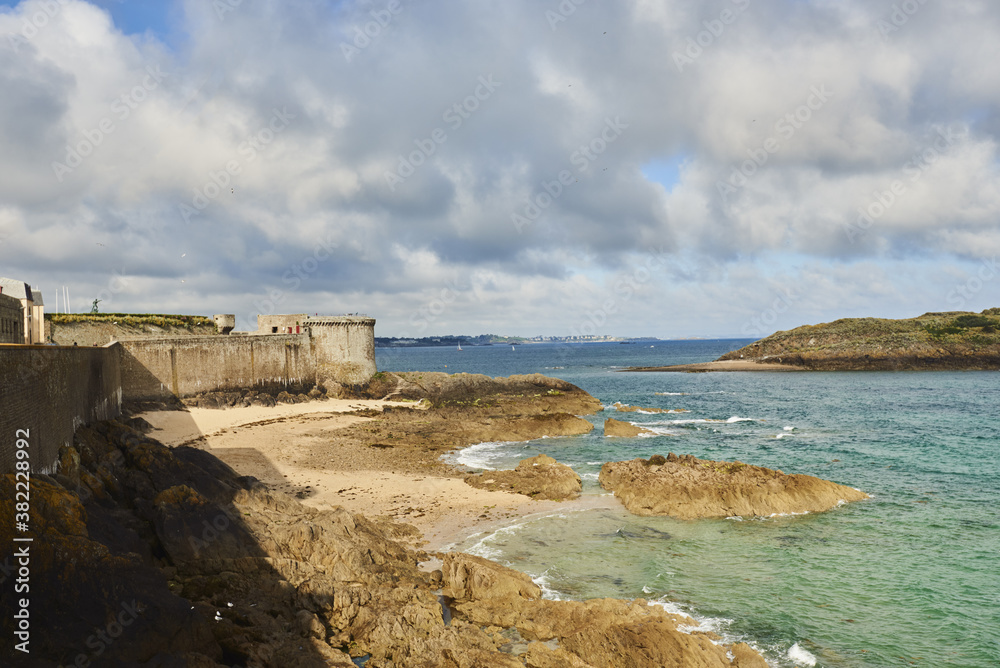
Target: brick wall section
(52, 390)
(183, 366)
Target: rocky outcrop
(689, 488)
(933, 341)
(464, 389)
(618, 428)
(466, 409)
(244, 398)
(604, 633)
(147, 557)
(539, 477)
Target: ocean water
(910, 577)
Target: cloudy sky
(671, 168)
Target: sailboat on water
(460, 347)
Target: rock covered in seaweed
(690, 488)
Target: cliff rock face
(689, 488)
(953, 340)
(539, 477)
(147, 557)
(614, 427)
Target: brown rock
(262, 399)
(310, 626)
(457, 389)
(691, 488)
(744, 656)
(654, 642)
(78, 580)
(605, 633)
(540, 655)
(614, 427)
(221, 567)
(539, 477)
(470, 578)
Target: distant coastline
(451, 340)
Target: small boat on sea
(460, 347)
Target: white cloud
(273, 192)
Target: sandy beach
(294, 449)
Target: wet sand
(294, 449)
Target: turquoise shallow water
(908, 578)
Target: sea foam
(482, 455)
(800, 656)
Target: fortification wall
(49, 391)
(344, 347)
(183, 366)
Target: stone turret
(225, 322)
(343, 347)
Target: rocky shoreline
(151, 556)
(948, 341)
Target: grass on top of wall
(132, 319)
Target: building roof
(15, 288)
(36, 296)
